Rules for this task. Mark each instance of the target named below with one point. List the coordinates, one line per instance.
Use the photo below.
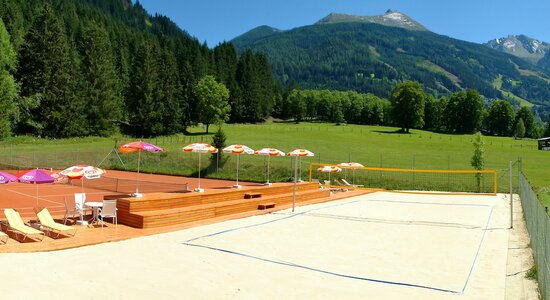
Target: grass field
(373, 146)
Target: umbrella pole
(82, 184)
(295, 178)
(36, 193)
(199, 171)
(137, 181)
(268, 159)
(238, 158)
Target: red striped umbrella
(329, 170)
(269, 152)
(81, 172)
(238, 149)
(199, 148)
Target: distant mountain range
(372, 54)
(525, 47)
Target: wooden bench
(252, 195)
(266, 205)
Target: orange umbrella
(269, 152)
(238, 149)
(351, 165)
(329, 170)
(199, 148)
(297, 153)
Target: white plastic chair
(108, 211)
(79, 200)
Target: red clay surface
(24, 197)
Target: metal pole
(295, 177)
(217, 163)
(199, 170)
(238, 157)
(511, 199)
(137, 181)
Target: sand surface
(377, 246)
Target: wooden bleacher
(164, 209)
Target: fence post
(511, 198)
(414, 173)
(449, 174)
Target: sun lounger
(51, 226)
(346, 183)
(17, 226)
(3, 238)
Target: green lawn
(373, 146)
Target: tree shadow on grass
(399, 131)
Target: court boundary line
(281, 262)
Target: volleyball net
(454, 181)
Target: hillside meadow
(373, 146)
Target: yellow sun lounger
(53, 227)
(17, 226)
(3, 238)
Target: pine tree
(46, 71)
(169, 89)
(519, 132)
(100, 86)
(145, 112)
(9, 89)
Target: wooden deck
(164, 209)
(188, 207)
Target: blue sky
(477, 21)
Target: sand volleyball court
(377, 246)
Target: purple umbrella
(5, 177)
(36, 177)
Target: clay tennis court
(23, 196)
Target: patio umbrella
(238, 149)
(269, 152)
(139, 146)
(199, 148)
(329, 170)
(35, 176)
(351, 165)
(6, 177)
(297, 153)
(81, 172)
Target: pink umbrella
(6, 177)
(36, 176)
(269, 152)
(238, 149)
(139, 146)
(199, 148)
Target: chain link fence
(538, 226)
(223, 166)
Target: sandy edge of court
(154, 269)
(520, 259)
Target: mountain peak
(521, 46)
(391, 17)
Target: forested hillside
(95, 67)
(372, 58)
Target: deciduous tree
(212, 101)
(408, 100)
